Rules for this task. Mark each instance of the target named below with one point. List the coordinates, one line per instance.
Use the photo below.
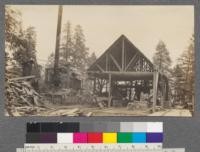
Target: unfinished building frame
(123, 70)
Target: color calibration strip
(74, 132)
(95, 137)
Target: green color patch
(124, 137)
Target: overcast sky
(143, 25)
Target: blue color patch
(154, 137)
(139, 137)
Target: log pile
(22, 99)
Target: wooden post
(68, 77)
(123, 54)
(130, 91)
(163, 95)
(106, 62)
(106, 86)
(193, 104)
(109, 91)
(155, 88)
(94, 86)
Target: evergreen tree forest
(20, 46)
(181, 75)
(73, 49)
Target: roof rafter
(116, 63)
(100, 68)
(131, 61)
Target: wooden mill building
(123, 70)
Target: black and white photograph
(99, 60)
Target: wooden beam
(109, 91)
(115, 61)
(107, 62)
(155, 88)
(131, 61)
(22, 78)
(123, 55)
(100, 68)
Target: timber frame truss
(123, 61)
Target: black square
(69, 127)
(33, 127)
(33, 138)
(49, 127)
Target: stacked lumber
(70, 96)
(137, 105)
(22, 99)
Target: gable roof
(121, 56)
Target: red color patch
(95, 137)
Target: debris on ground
(102, 102)
(137, 105)
(22, 99)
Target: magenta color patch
(80, 137)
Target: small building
(123, 72)
(67, 76)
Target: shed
(124, 65)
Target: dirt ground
(173, 113)
(84, 110)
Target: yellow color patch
(109, 137)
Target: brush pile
(22, 99)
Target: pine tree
(12, 26)
(187, 62)
(80, 51)
(25, 54)
(161, 58)
(12, 41)
(178, 83)
(91, 59)
(67, 45)
(50, 60)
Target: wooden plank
(133, 58)
(116, 63)
(22, 78)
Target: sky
(143, 25)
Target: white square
(155, 127)
(140, 127)
(64, 138)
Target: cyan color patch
(139, 137)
